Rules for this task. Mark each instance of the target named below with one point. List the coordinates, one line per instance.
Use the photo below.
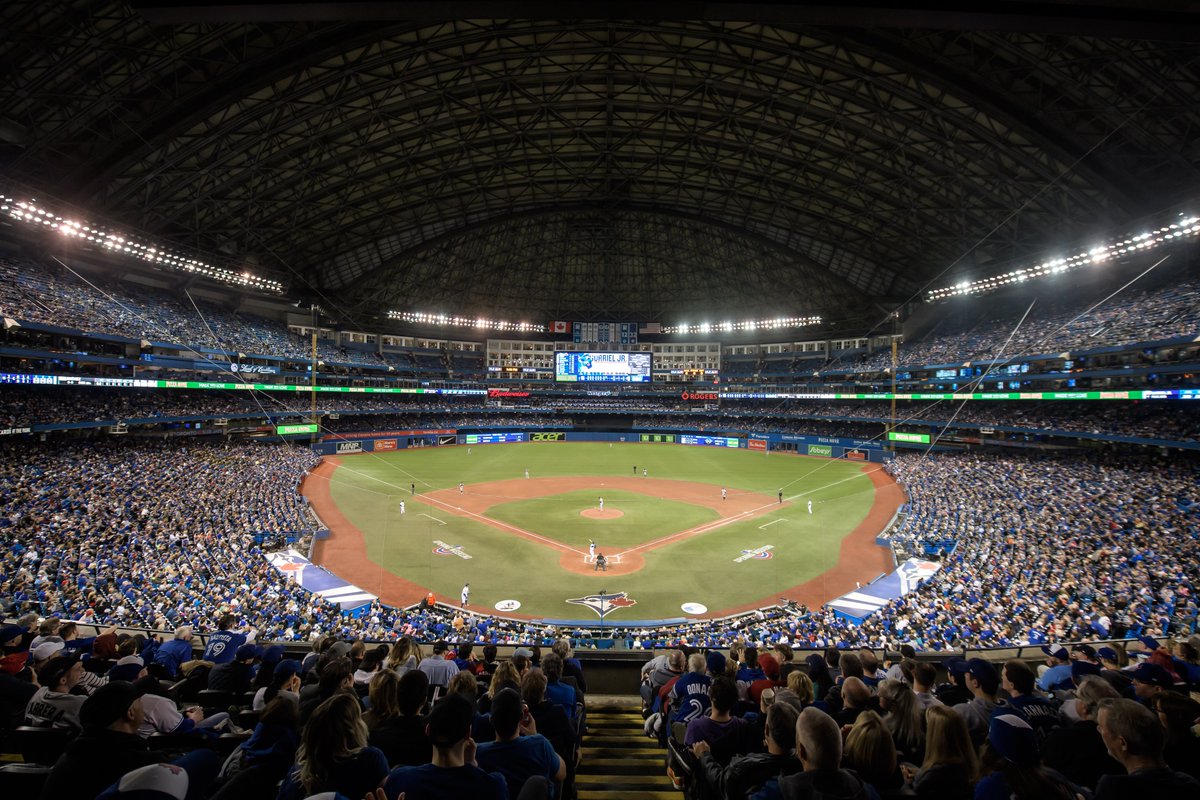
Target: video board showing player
(611, 367)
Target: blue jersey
(690, 696)
(223, 646)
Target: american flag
(650, 327)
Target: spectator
(171, 655)
(951, 766)
(983, 682)
(405, 655)
(519, 752)
(662, 670)
(335, 677)
(285, 683)
(770, 680)
(819, 748)
(454, 771)
(1179, 715)
(746, 774)
(1149, 681)
(558, 692)
(1018, 681)
(334, 755)
(1134, 736)
(225, 643)
(924, 675)
(53, 704)
(1077, 750)
(802, 685)
(719, 725)
(905, 719)
(437, 667)
(370, 666)
(549, 717)
(855, 699)
(1015, 766)
(870, 753)
(108, 748)
(571, 666)
(236, 674)
(401, 735)
(689, 694)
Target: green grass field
(503, 566)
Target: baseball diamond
(670, 541)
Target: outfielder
(401, 508)
(810, 506)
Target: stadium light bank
(1186, 227)
(29, 212)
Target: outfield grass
(368, 488)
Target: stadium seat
(23, 780)
(39, 745)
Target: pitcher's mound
(595, 513)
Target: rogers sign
(506, 393)
(703, 396)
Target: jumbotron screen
(616, 367)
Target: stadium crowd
(446, 720)
(164, 534)
(1143, 316)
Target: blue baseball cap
(1152, 674)
(1107, 654)
(1081, 669)
(1014, 740)
(1056, 651)
(1148, 642)
(247, 651)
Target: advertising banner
(552, 436)
(855, 455)
(820, 450)
(349, 447)
(757, 444)
(385, 444)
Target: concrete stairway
(619, 762)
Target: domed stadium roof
(793, 165)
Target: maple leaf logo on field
(604, 603)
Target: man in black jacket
(746, 774)
(819, 748)
(108, 748)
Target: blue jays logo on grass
(445, 550)
(604, 604)
(758, 553)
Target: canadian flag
(558, 326)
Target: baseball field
(519, 529)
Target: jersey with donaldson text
(690, 697)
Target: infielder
(460, 489)
(724, 493)
(526, 474)
(810, 506)
(401, 508)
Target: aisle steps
(619, 761)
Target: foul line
(498, 524)
(720, 523)
(772, 522)
(435, 519)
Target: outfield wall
(864, 450)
